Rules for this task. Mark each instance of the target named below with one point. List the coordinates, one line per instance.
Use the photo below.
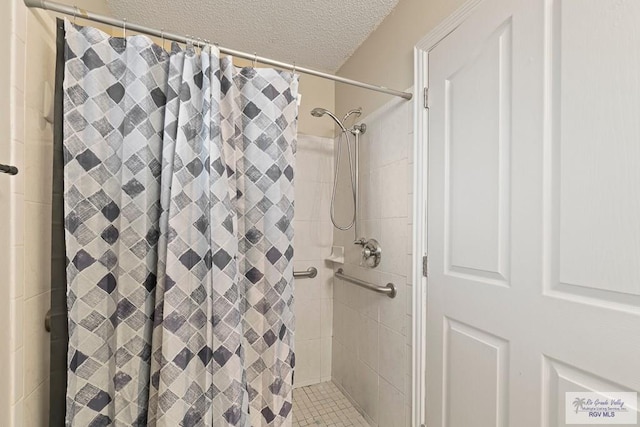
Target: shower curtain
(178, 200)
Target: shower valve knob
(371, 252)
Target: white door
(533, 211)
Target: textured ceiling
(312, 33)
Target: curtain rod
(83, 14)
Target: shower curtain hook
(255, 59)
(293, 70)
(162, 37)
(75, 13)
(124, 30)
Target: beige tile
(17, 414)
(307, 288)
(325, 358)
(313, 240)
(324, 405)
(314, 159)
(369, 303)
(392, 357)
(17, 323)
(392, 405)
(36, 344)
(409, 330)
(17, 228)
(326, 318)
(339, 328)
(409, 269)
(17, 374)
(373, 197)
(393, 310)
(370, 228)
(38, 247)
(393, 240)
(305, 199)
(351, 292)
(365, 146)
(367, 398)
(393, 135)
(307, 319)
(41, 38)
(326, 280)
(368, 342)
(394, 189)
(37, 130)
(308, 362)
(408, 414)
(339, 288)
(17, 271)
(39, 173)
(35, 309)
(17, 160)
(19, 17)
(36, 407)
(17, 112)
(351, 331)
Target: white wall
(312, 244)
(372, 333)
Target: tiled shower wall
(312, 244)
(32, 60)
(372, 333)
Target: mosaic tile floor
(324, 405)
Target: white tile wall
(312, 244)
(372, 333)
(32, 63)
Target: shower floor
(324, 405)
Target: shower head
(319, 112)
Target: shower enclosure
(315, 235)
(370, 364)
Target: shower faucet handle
(371, 252)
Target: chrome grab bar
(389, 289)
(310, 272)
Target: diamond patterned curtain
(178, 215)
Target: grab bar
(310, 272)
(11, 170)
(389, 289)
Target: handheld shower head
(319, 112)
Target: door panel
(532, 211)
(477, 162)
(472, 353)
(593, 166)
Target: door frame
(420, 177)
